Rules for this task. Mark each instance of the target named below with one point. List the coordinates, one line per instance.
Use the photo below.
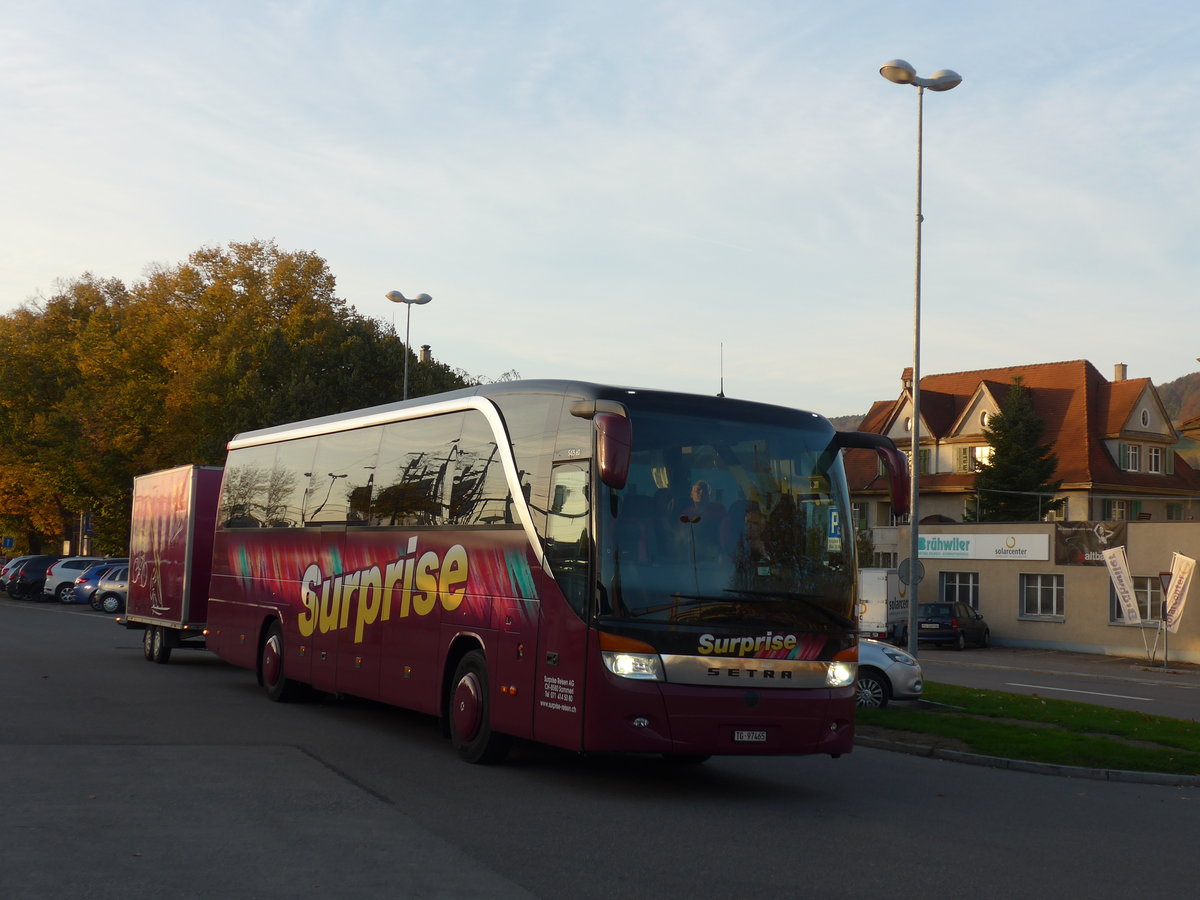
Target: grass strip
(1037, 729)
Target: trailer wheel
(270, 667)
(160, 646)
(148, 643)
(470, 713)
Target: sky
(682, 195)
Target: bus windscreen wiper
(807, 599)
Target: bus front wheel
(470, 713)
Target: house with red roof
(1113, 441)
(1045, 583)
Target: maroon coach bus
(591, 567)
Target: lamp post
(898, 71)
(397, 297)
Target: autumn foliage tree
(101, 382)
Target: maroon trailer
(170, 557)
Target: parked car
(60, 577)
(886, 673)
(84, 590)
(26, 580)
(113, 587)
(7, 570)
(955, 623)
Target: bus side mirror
(899, 483)
(894, 462)
(614, 445)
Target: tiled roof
(1078, 408)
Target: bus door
(562, 650)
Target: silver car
(886, 673)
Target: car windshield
(730, 521)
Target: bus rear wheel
(470, 713)
(270, 667)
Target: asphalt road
(121, 778)
(1112, 681)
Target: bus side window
(567, 528)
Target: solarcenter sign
(984, 546)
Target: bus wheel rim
(467, 707)
(271, 662)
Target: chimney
(425, 356)
(1120, 370)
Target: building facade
(1120, 477)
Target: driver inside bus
(704, 517)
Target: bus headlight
(840, 674)
(643, 666)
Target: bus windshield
(736, 522)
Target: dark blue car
(956, 624)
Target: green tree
(1013, 484)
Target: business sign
(1084, 543)
(1020, 547)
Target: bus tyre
(270, 667)
(470, 713)
(160, 646)
(148, 642)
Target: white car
(886, 673)
(60, 577)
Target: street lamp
(397, 297)
(898, 71)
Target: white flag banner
(1118, 571)
(1182, 568)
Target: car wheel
(111, 603)
(95, 602)
(986, 639)
(960, 641)
(873, 690)
(64, 592)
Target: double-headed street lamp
(898, 71)
(397, 297)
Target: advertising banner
(1118, 571)
(1182, 568)
(984, 546)
(1084, 543)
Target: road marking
(1045, 687)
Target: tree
(1013, 484)
(100, 383)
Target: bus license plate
(751, 737)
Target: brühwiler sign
(1019, 547)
